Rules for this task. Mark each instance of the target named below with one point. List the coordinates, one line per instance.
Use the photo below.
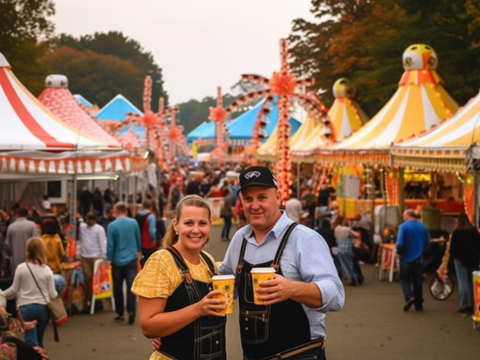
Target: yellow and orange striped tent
(346, 116)
(419, 103)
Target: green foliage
(97, 77)
(24, 28)
(364, 40)
(116, 44)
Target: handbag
(57, 310)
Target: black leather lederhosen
(203, 339)
(277, 331)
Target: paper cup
(226, 283)
(259, 275)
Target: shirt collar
(282, 223)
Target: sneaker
(409, 304)
(119, 319)
(131, 319)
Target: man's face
(261, 206)
(90, 222)
(3, 216)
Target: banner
(101, 281)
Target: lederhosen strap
(278, 255)
(185, 271)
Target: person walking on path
(345, 239)
(465, 252)
(18, 234)
(183, 313)
(93, 247)
(55, 252)
(293, 207)
(124, 251)
(226, 212)
(306, 284)
(147, 223)
(30, 301)
(412, 241)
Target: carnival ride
(282, 84)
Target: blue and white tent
(116, 110)
(82, 101)
(241, 128)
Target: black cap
(257, 176)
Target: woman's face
(193, 227)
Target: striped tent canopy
(346, 115)
(35, 142)
(60, 101)
(419, 103)
(28, 124)
(448, 146)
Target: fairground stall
(419, 103)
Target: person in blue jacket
(413, 240)
(124, 251)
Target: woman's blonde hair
(36, 252)
(171, 237)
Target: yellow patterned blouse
(160, 277)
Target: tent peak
(343, 88)
(420, 57)
(4, 62)
(56, 81)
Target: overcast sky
(199, 44)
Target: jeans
(227, 220)
(37, 312)
(120, 274)
(60, 283)
(412, 273)
(336, 261)
(465, 283)
(346, 260)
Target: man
(18, 234)
(124, 251)
(93, 247)
(104, 221)
(306, 284)
(194, 187)
(85, 199)
(147, 224)
(412, 241)
(293, 208)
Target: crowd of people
(176, 302)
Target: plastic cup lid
(223, 277)
(263, 270)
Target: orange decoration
(217, 114)
(150, 118)
(283, 83)
(175, 133)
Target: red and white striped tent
(33, 140)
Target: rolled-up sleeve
(316, 266)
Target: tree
(116, 44)
(193, 112)
(24, 30)
(365, 39)
(98, 77)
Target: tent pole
(401, 192)
(73, 208)
(475, 196)
(298, 180)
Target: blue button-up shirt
(306, 258)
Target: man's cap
(257, 176)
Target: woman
(344, 236)
(465, 251)
(215, 189)
(55, 252)
(226, 213)
(175, 303)
(32, 299)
